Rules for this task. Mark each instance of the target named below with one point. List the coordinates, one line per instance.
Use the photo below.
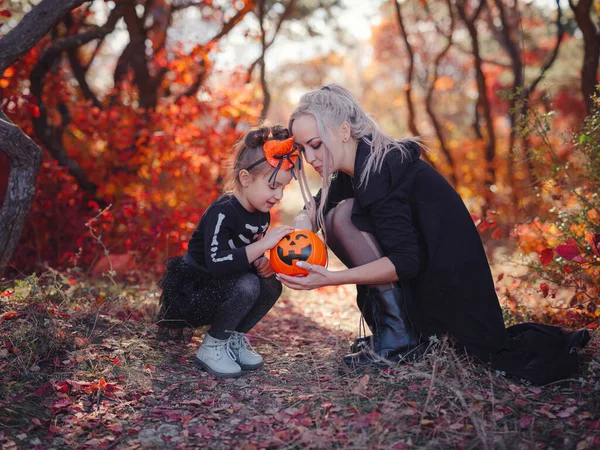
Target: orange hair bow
(281, 155)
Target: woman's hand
(318, 276)
(263, 267)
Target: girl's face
(307, 137)
(258, 194)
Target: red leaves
(568, 251)
(72, 386)
(9, 315)
(595, 243)
(546, 256)
(61, 405)
(526, 421)
(44, 390)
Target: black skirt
(182, 281)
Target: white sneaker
(217, 358)
(244, 354)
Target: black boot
(394, 338)
(363, 301)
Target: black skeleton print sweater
(226, 227)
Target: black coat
(426, 231)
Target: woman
(410, 246)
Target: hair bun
(280, 133)
(257, 138)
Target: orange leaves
(444, 83)
(73, 387)
(99, 385)
(159, 169)
(8, 73)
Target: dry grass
(68, 337)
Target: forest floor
(80, 367)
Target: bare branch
(483, 100)
(591, 45)
(412, 125)
(51, 137)
(560, 32)
(237, 18)
(148, 95)
(429, 98)
(34, 25)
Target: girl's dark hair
(249, 149)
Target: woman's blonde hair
(331, 106)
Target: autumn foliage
(155, 170)
(566, 237)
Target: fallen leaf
(567, 412)
(526, 421)
(9, 315)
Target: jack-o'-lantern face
(300, 245)
(295, 246)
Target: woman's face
(307, 137)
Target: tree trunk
(435, 121)
(51, 136)
(591, 45)
(412, 123)
(24, 155)
(484, 105)
(505, 37)
(25, 159)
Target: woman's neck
(347, 165)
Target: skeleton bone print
(225, 229)
(244, 239)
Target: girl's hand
(318, 276)
(276, 234)
(263, 267)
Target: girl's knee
(271, 287)
(248, 286)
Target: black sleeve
(220, 258)
(341, 188)
(392, 220)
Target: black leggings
(354, 248)
(235, 302)
(351, 245)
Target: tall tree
(24, 155)
(483, 109)
(508, 34)
(430, 89)
(591, 44)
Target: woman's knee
(340, 217)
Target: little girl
(224, 280)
